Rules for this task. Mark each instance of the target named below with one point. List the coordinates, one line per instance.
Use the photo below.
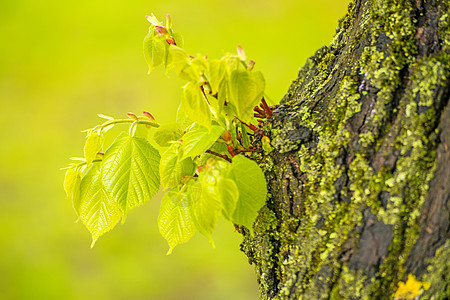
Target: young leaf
(199, 65)
(172, 168)
(93, 145)
(222, 95)
(154, 50)
(180, 61)
(130, 171)
(195, 105)
(246, 90)
(199, 139)
(252, 188)
(96, 209)
(153, 20)
(217, 72)
(72, 183)
(178, 39)
(182, 119)
(175, 220)
(228, 194)
(206, 208)
(167, 133)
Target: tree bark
(359, 181)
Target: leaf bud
(171, 41)
(231, 149)
(161, 30)
(132, 116)
(168, 22)
(253, 127)
(149, 115)
(251, 64)
(200, 169)
(226, 136)
(241, 53)
(211, 161)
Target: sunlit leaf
(182, 119)
(252, 188)
(222, 95)
(97, 210)
(245, 135)
(153, 20)
(199, 65)
(228, 194)
(72, 183)
(178, 39)
(167, 133)
(206, 207)
(194, 104)
(154, 50)
(199, 139)
(93, 145)
(181, 62)
(217, 72)
(175, 219)
(131, 171)
(173, 168)
(246, 90)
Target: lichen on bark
(361, 137)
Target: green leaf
(222, 95)
(199, 139)
(130, 171)
(246, 91)
(154, 50)
(182, 119)
(245, 136)
(217, 72)
(252, 188)
(199, 65)
(206, 208)
(178, 39)
(175, 219)
(195, 105)
(167, 133)
(72, 182)
(228, 194)
(173, 168)
(93, 145)
(181, 62)
(153, 20)
(97, 210)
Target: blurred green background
(61, 63)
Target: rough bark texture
(360, 179)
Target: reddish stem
(266, 108)
(219, 155)
(244, 150)
(258, 110)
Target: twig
(219, 155)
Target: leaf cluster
(198, 161)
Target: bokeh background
(61, 63)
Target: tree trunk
(359, 181)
